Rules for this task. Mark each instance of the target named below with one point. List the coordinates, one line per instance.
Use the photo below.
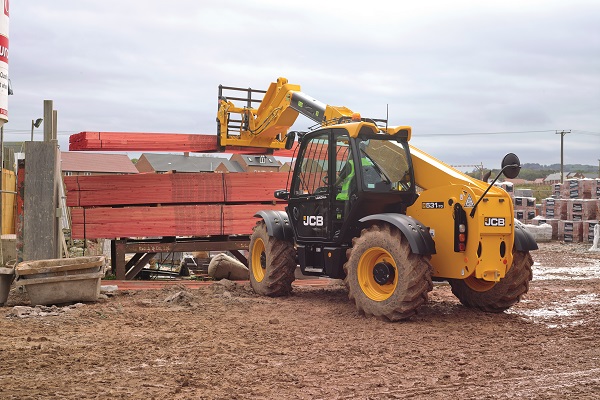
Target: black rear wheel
(272, 263)
(384, 277)
(500, 296)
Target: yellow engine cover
(490, 232)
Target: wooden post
(20, 201)
(118, 258)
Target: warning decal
(469, 203)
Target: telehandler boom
(365, 206)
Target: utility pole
(562, 164)
(478, 166)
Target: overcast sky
(474, 79)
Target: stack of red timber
(181, 204)
(142, 141)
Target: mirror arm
(472, 213)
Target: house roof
(567, 175)
(235, 166)
(591, 175)
(553, 177)
(261, 161)
(181, 163)
(516, 181)
(96, 162)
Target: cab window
(312, 178)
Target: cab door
(309, 205)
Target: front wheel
(272, 263)
(498, 297)
(384, 277)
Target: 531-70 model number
(432, 205)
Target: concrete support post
(48, 120)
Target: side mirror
(511, 166)
(290, 138)
(282, 194)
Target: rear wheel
(500, 296)
(384, 277)
(272, 263)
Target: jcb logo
(493, 221)
(313, 220)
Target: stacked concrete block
(524, 193)
(588, 231)
(596, 189)
(539, 220)
(578, 188)
(581, 209)
(575, 204)
(570, 231)
(554, 208)
(508, 186)
(524, 208)
(556, 190)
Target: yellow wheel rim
(372, 259)
(259, 260)
(478, 285)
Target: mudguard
(278, 224)
(416, 233)
(524, 240)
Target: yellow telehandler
(365, 206)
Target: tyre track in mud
(584, 383)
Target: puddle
(553, 315)
(591, 271)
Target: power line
(23, 131)
(576, 132)
(482, 133)
(588, 134)
(583, 132)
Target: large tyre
(384, 277)
(272, 263)
(498, 297)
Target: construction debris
(41, 311)
(223, 266)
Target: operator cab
(344, 173)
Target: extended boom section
(267, 125)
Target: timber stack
(179, 204)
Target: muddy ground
(224, 342)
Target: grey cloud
(444, 68)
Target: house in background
(162, 163)
(84, 163)
(516, 181)
(555, 177)
(262, 163)
(286, 167)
